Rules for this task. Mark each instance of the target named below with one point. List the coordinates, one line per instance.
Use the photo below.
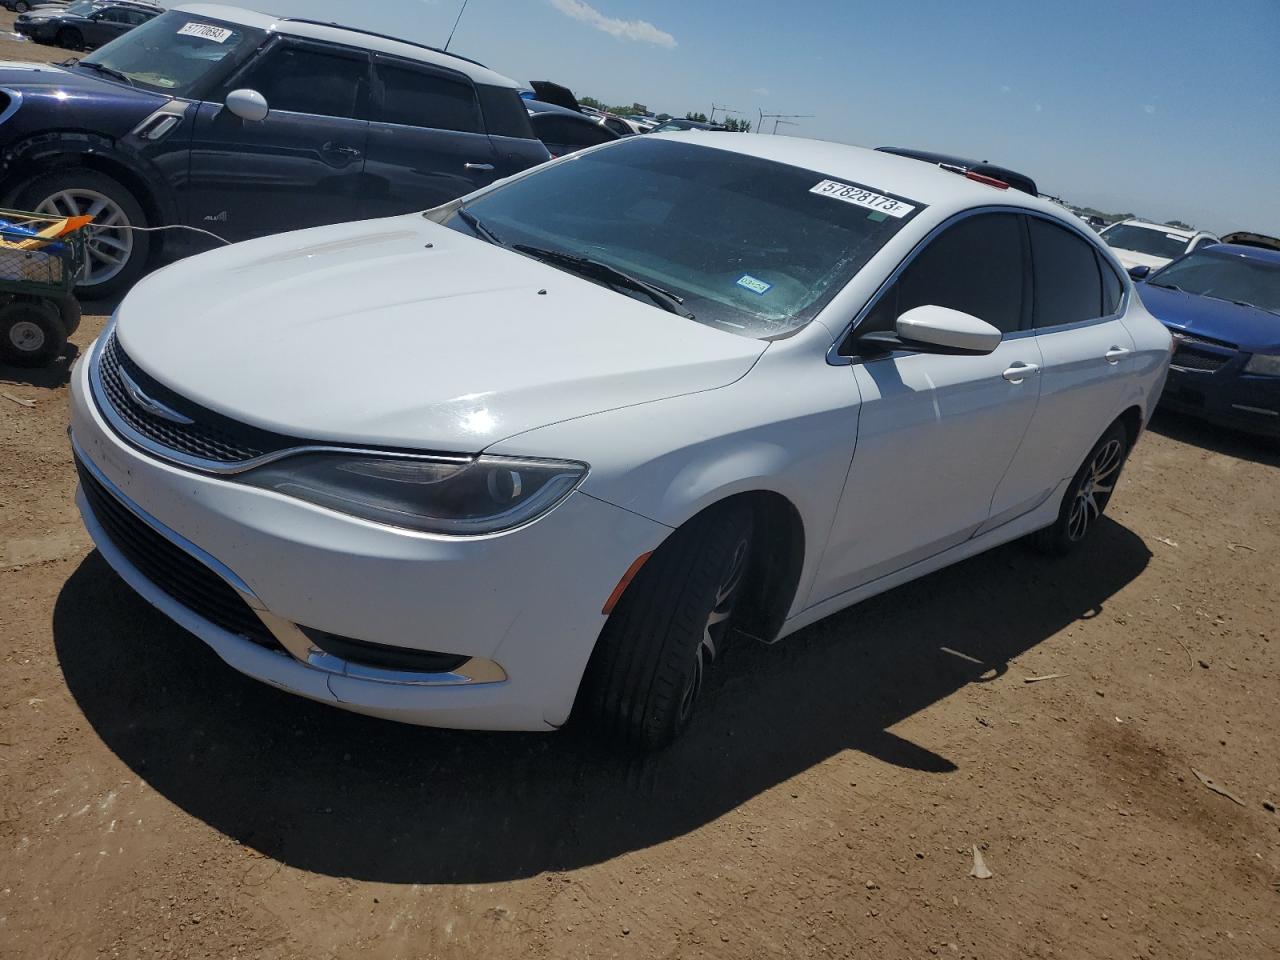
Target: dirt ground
(155, 803)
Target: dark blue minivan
(243, 124)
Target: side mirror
(948, 329)
(248, 105)
(1140, 272)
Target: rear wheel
(115, 256)
(21, 6)
(31, 333)
(70, 38)
(646, 673)
(1088, 495)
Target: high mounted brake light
(989, 181)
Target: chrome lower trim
(475, 671)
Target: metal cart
(38, 272)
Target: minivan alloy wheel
(1095, 489)
(107, 246)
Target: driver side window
(976, 265)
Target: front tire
(115, 256)
(1088, 495)
(70, 38)
(647, 670)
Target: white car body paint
(362, 334)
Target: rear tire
(115, 257)
(70, 38)
(31, 333)
(1087, 496)
(646, 672)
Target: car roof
(351, 36)
(1240, 250)
(1164, 228)
(906, 177)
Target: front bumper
(528, 600)
(1226, 396)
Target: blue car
(244, 124)
(1222, 305)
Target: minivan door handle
(1019, 370)
(477, 166)
(340, 151)
(1116, 354)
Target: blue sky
(1169, 109)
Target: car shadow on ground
(57, 373)
(350, 796)
(1232, 443)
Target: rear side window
(504, 112)
(1112, 288)
(310, 80)
(975, 266)
(1067, 283)
(418, 98)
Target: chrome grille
(209, 437)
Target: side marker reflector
(625, 582)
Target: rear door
(1087, 360)
(936, 432)
(303, 165)
(427, 140)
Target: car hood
(1132, 258)
(405, 333)
(1253, 330)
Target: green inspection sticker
(754, 284)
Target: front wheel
(647, 670)
(21, 6)
(1088, 495)
(31, 333)
(115, 254)
(70, 38)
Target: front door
(936, 432)
(303, 165)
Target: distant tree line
(731, 124)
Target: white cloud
(762, 91)
(1005, 88)
(1039, 108)
(1149, 108)
(641, 30)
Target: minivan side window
(418, 98)
(1112, 286)
(305, 79)
(975, 266)
(1068, 287)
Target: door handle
(335, 149)
(477, 166)
(1116, 354)
(1019, 370)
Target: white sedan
(517, 456)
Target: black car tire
(31, 333)
(69, 311)
(70, 38)
(646, 670)
(21, 6)
(35, 192)
(1102, 466)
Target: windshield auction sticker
(205, 31)
(862, 197)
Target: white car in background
(1138, 243)
(482, 466)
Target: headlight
(1267, 364)
(431, 495)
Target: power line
(786, 119)
(715, 106)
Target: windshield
(1151, 241)
(1225, 277)
(747, 245)
(175, 51)
(80, 8)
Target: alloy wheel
(108, 244)
(717, 623)
(1094, 490)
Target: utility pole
(786, 119)
(715, 106)
(461, 11)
